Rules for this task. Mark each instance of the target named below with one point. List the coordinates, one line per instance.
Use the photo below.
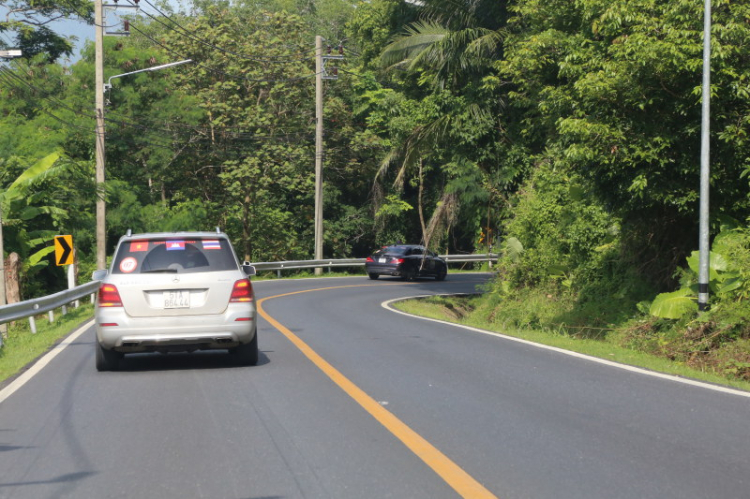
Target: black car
(408, 261)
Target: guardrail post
(32, 324)
(51, 316)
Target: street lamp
(101, 233)
(704, 251)
(108, 85)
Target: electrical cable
(222, 73)
(123, 121)
(190, 35)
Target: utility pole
(318, 151)
(101, 229)
(320, 75)
(5, 54)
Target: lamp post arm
(108, 85)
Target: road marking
(625, 367)
(449, 471)
(39, 365)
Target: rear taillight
(369, 259)
(242, 292)
(397, 260)
(109, 296)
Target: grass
(459, 310)
(22, 346)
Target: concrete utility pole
(318, 151)
(5, 54)
(101, 228)
(320, 75)
(704, 250)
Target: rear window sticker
(175, 245)
(211, 244)
(136, 246)
(129, 264)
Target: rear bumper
(383, 269)
(115, 330)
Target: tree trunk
(12, 271)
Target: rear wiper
(165, 271)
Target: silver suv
(175, 292)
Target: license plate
(177, 299)
(381, 260)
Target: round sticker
(127, 265)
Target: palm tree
(454, 44)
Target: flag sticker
(211, 244)
(137, 246)
(175, 245)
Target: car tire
(106, 360)
(441, 275)
(373, 276)
(409, 274)
(246, 354)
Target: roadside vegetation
(564, 136)
(22, 347)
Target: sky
(85, 32)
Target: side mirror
(248, 269)
(98, 275)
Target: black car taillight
(370, 260)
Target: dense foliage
(563, 133)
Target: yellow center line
(455, 476)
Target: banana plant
(19, 204)
(727, 280)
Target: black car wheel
(409, 274)
(441, 274)
(373, 276)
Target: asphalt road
(351, 400)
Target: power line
(189, 34)
(222, 73)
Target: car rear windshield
(174, 256)
(392, 250)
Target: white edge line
(41, 363)
(678, 379)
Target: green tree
(444, 63)
(29, 21)
(617, 87)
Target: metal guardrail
(30, 308)
(357, 262)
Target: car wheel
(441, 275)
(373, 276)
(409, 274)
(247, 353)
(106, 360)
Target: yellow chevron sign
(63, 250)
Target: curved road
(351, 400)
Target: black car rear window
(174, 255)
(392, 250)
